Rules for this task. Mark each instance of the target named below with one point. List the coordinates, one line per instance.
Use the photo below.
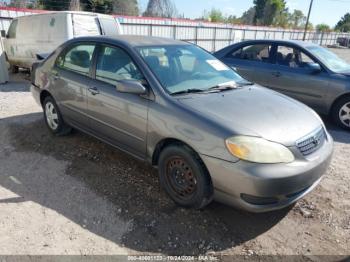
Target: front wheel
(53, 118)
(184, 177)
(341, 113)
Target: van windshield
(185, 67)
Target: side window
(12, 29)
(258, 53)
(292, 57)
(77, 59)
(114, 64)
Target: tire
(14, 69)
(53, 118)
(184, 177)
(341, 113)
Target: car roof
(133, 40)
(293, 42)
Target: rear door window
(77, 59)
(257, 53)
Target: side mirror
(131, 87)
(315, 68)
(3, 33)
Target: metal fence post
(214, 40)
(230, 40)
(150, 29)
(196, 36)
(322, 35)
(174, 31)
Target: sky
(323, 11)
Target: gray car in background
(305, 71)
(210, 133)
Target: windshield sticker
(217, 65)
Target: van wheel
(14, 69)
(341, 113)
(53, 118)
(184, 177)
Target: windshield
(329, 59)
(185, 67)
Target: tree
(54, 5)
(214, 15)
(282, 19)
(248, 16)
(75, 5)
(344, 24)
(123, 7)
(323, 28)
(267, 11)
(19, 3)
(232, 19)
(98, 6)
(259, 6)
(161, 8)
(297, 19)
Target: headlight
(258, 150)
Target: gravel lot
(76, 195)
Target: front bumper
(266, 187)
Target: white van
(30, 36)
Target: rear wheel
(53, 117)
(184, 177)
(341, 113)
(14, 69)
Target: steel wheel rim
(51, 115)
(181, 178)
(344, 114)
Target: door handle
(93, 90)
(276, 74)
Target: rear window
(85, 25)
(109, 26)
(258, 53)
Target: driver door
(119, 118)
(294, 76)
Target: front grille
(312, 142)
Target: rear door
(252, 61)
(119, 118)
(294, 75)
(70, 78)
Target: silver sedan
(210, 133)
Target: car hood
(256, 111)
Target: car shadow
(339, 135)
(18, 83)
(132, 188)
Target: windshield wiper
(189, 91)
(229, 86)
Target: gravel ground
(76, 195)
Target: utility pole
(307, 20)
